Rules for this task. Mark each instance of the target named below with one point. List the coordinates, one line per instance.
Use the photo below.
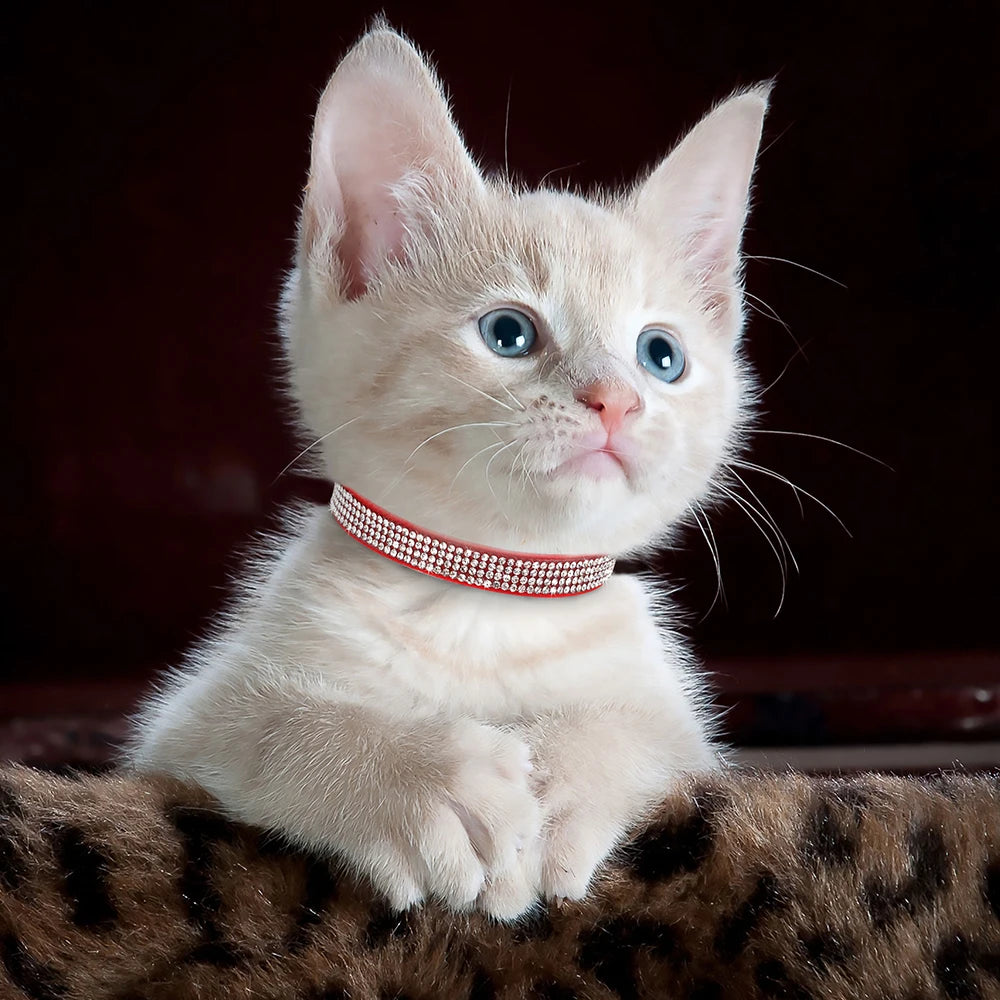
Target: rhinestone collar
(471, 565)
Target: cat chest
(534, 659)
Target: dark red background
(153, 161)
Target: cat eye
(661, 354)
(508, 332)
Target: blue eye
(508, 332)
(660, 353)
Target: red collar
(470, 565)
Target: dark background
(153, 161)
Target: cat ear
(696, 200)
(384, 152)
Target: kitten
(536, 373)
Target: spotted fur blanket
(751, 885)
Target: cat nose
(614, 400)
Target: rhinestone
(411, 547)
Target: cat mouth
(595, 463)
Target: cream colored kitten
(479, 748)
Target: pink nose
(613, 400)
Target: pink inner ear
(713, 253)
(355, 282)
(374, 233)
(712, 245)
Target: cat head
(527, 370)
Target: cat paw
(511, 893)
(559, 865)
(485, 816)
(573, 851)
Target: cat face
(532, 371)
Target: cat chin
(586, 514)
(597, 465)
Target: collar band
(471, 565)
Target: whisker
(713, 550)
(486, 471)
(384, 495)
(759, 514)
(556, 170)
(751, 513)
(766, 310)
(828, 440)
(517, 402)
(811, 270)
(467, 462)
(506, 131)
(509, 444)
(513, 467)
(525, 473)
(318, 440)
(481, 392)
(801, 349)
(770, 517)
(457, 427)
(752, 467)
(530, 478)
(779, 137)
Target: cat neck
(466, 563)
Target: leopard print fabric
(751, 885)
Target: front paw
(484, 816)
(574, 848)
(511, 892)
(559, 865)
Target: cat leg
(422, 808)
(599, 770)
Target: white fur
(478, 748)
